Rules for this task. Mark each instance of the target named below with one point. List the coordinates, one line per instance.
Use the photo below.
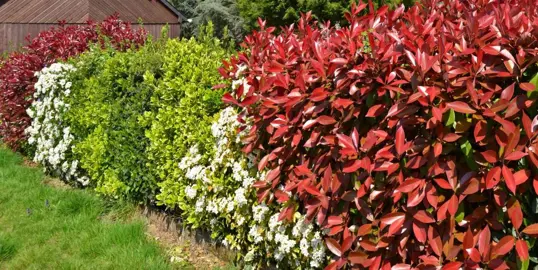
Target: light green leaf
(451, 118)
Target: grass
(42, 227)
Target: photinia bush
(410, 137)
(17, 71)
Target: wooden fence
(13, 35)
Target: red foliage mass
(407, 134)
(17, 71)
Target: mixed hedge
(17, 70)
(405, 140)
(146, 125)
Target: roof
(80, 11)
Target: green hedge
(183, 106)
(113, 90)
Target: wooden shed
(22, 18)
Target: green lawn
(43, 227)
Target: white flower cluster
(219, 192)
(283, 238)
(223, 200)
(48, 132)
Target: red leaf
(396, 226)
(357, 257)
(493, 50)
(460, 107)
(219, 86)
(227, 98)
(334, 220)
(326, 120)
(529, 87)
(451, 137)
(420, 231)
(534, 124)
(281, 196)
(434, 241)
(484, 240)
(443, 183)
(260, 184)
(517, 155)
(504, 246)
(327, 178)
(472, 188)
(248, 101)
(480, 131)
(273, 175)
(522, 249)
(474, 255)
(312, 190)
(310, 123)
(392, 218)
(424, 217)
(345, 141)
(527, 124)
(341, 102)
(401, 266)
(319, 94)
(468, 239)
(438, 149)
(498, 264)
(452, 266)
(355, 138)
(490, 156)
(521, 176)
(375, 110)
(509, 179)
(531, 230)
(493, 177)
(508, 92)
(333, 246)
(364, 230)
(348, 242)
(352, 166)
(339, 61)
(400, 141)
(453, 204)
(368, 245)
(515, 214)
(409, 185)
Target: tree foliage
(223, 13)
(285, 12)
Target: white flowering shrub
(217, 193)
(49, 133)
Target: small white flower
(190, 191)
(240, 196)
(200, 203)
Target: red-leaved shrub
(411, 136)
(17, 71)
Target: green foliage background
(134, 113)
(112, 91)
(183, 105)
